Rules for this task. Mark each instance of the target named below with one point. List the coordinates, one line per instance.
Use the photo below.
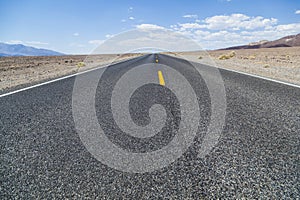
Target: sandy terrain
(276, 63)
(20, 71)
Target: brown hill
(288, 41)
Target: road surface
(257, 154)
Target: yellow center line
(161, 78)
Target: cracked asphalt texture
(257, 155)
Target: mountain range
(288, 41)
(22, 50)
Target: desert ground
(16, 72)
(277, 63)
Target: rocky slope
(288, 41)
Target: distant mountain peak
(258, 43)
(287, 41)
(22, 50)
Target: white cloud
(15, 42)
(96, 42)
(297, 12)
(235, 21)
(149, 27)
(211, 33)
(131, 18)
(191, 26)
(28, 43)
(190, 16)
(75, 34)
(109, 35)
(147, 36)
(130, 9)
(225, 38)
(123, 20)
(36, 43)
(291, 28)
(221, 31)
(238, 21)
(201, 33)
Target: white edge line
(61, 78)
(244, 73)
(252, 75)
(261, 77)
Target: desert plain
(282, 63)
(21, 71)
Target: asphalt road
(257, 154)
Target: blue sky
(77, 27)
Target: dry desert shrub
(80, 64)
(227, 56)
(252, 57)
